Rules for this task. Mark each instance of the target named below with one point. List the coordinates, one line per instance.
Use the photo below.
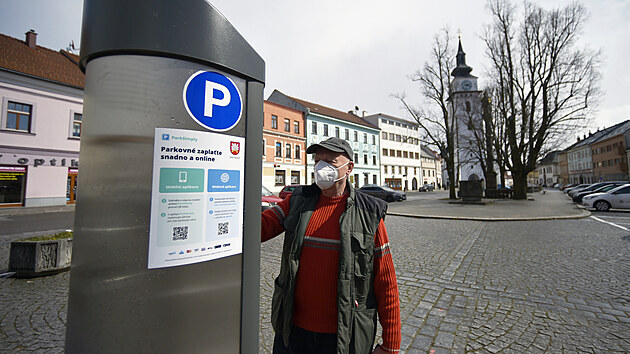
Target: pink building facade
(41, 92)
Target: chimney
(31, 39)
(578, 138)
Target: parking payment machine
(167, 224)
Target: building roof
(40, 62)
(617, 129)
(401, 120)
(549, 158)
(331, 112)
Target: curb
(583, 214)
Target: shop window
(280, 175)
(274, 122)
(295, 177)
(12, 185)
(18, 116)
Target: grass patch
(57, 236)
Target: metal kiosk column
(167, 231)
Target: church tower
(466, 111)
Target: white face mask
(326, 174)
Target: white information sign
(196, 197)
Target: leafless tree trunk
(547, 84)
(436, 123)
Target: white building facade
(431, 167)
(401, 165)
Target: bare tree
(546, 84)
(435, 120)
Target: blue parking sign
(213, 100)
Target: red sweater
(315, 297)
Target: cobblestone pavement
(512, 287)
(465, 286)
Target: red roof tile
(41, 62)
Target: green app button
(181, 180)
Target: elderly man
(336, 271)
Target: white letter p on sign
(211, 101)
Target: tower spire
(461, 69)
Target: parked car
(287, 191)
(591, 187)
(576, 187)
(618, 198)
(577, 197)
(570, 185)
(268, 199)
(384, 193)
(427, 188)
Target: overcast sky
(343, 54)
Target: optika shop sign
(36, 161)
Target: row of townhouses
(387, 149)
(599, 157)
(41, 92)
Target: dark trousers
(302, 341)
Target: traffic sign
(213, 100)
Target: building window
(384, 136)
(398, 137)
(288, 154)
(336, 132)
(398, 153)
(384, 152)
(356, 157)
(405, 154)
(295, 177)
(392, 152)
(19, 116)
(264, 148)
(399, 169)
(77, 118)
(373, 139)
(384, 168)
(278, 149)
(406, 170)
(365, 159)
(274, 122)
(391, 136)
(12, 185)
(365, 138)
(373, 179)
(347, 135)
(296, 127)
(314, 128)
(287, 125)
(373, 159)
(356, 135)
(467, 106)
(417, 156)
(325, 129)
(297, 152)
(280, 175)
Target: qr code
(180, 233)
(223, 228)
